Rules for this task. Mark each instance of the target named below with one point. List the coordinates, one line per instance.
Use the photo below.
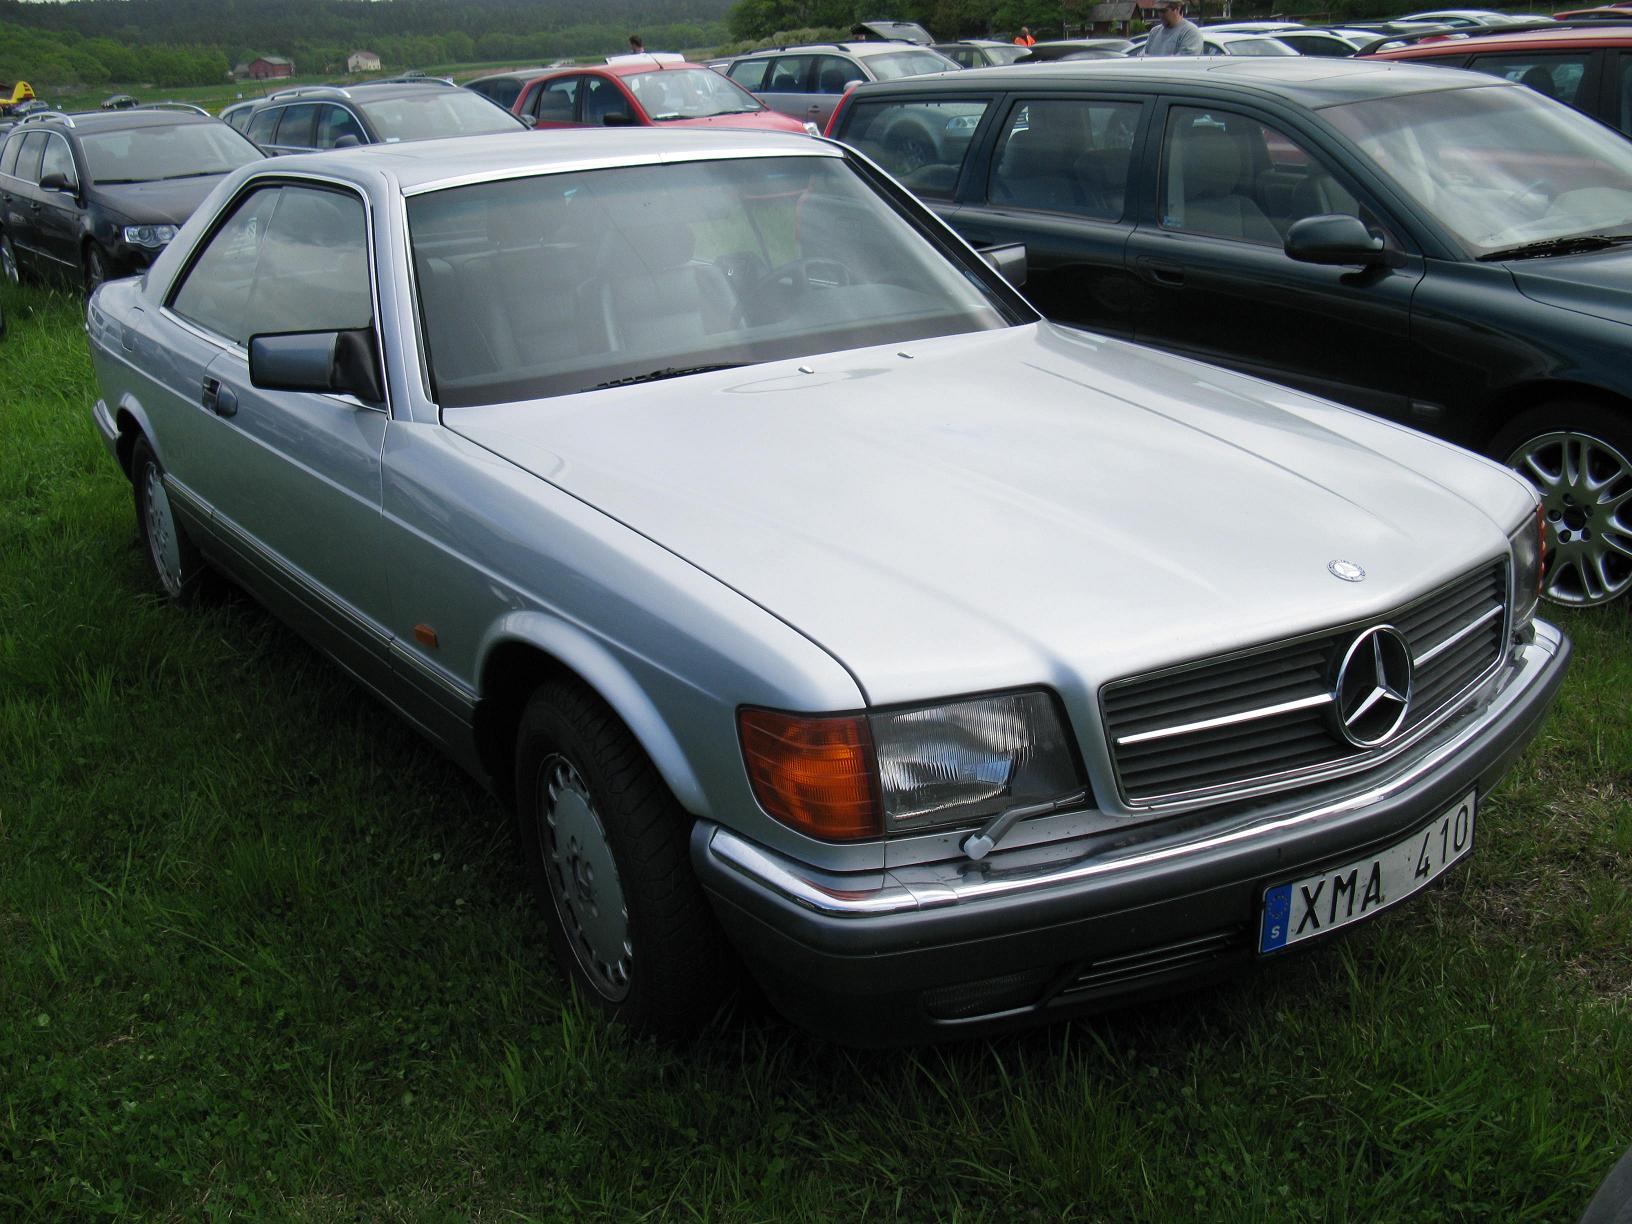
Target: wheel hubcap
(163, 544)
(583, 878)
(8, 262)
(1586, 491)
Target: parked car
(1587, 68)
(1331, 43)
(1230, 43)
(1465, 19)
(312, 117)
(1480, 291)
(119, 102)
(805, 592)
(979, 52)
(1075, 48)
(502, 88)
(807, 81)
(93, 196)
(641, 91)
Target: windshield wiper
(666, 372)
(1575, 245)
(190, 174)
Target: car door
(22, 203)
(1226, 186)
(57, 221)
(784, 85)
(291, 479)
(1059, 178)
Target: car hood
(1032, 505)
(1596, 283)
(158, 203)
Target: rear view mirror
(617, 119)
(1335, 239)
(59, 182)
(1008, 261)
(329, 363)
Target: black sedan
(93, 196)
(1442, 248)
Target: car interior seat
(1038, 165)
(1206, 173)
(1539, 77)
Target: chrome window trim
(1266, 784)
(815, 148)
(228, 345)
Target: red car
(1587, 67)
(644, 90)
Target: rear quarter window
(924, 144)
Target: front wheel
(1579, 457)
(605, 845)
(96, 268)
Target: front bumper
(928, 952)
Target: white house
(362, 61)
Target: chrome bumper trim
(934, 886)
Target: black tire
(673, 973)
(180, 568)
(96, 268)
(10, 270)
(1579, 456)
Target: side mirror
(329, 363)
(617, 119)
(59, 182)
(1008, 261)
(1337, 240)
(348, 141)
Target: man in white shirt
(1175, 35)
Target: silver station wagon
(819, 608)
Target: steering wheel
(783, 285)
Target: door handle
(1161, 273)
(219, 399)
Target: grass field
(264, 955)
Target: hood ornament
(1346, 570)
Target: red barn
(269, 67)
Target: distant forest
(195, 42)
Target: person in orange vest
(1024, 38)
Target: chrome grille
(1265, 716)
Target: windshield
(1497, 166)
(897, 64)
(549, 285)
(147, 154)
(1256, 46)
(689, 93)
(432, 112)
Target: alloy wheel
(1586, 490)
(8, 262)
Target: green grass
(264, 955)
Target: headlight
(855, 776)
(149, 235)
(1529, 545)
(812, 128)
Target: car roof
(1310, 81)
(368, 91)
(426, 165)
(114, 120)
(633, 67)
(1563, 37)
(850, 48)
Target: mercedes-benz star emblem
(1346, 570)
(1373, 689)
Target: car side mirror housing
(1337, 240)
(348, 141)
(617, 119)
(1008, 261)
(59, 182)
(327, 362)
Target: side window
(8, 155)
(297, 128)
(1066, 155)
(602, 98)
(262, 124)
(215, 294)
(1624, 111)
(922, 143)
(749, 73)
(557, 101)
(28, 160)
(833, 73)
(789, 74)
(1233, 177)
(1557, 76)
(313, 270)
(59, 159)
(336, 123)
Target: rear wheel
(1579, 457)
(605, 845)
(176, 561)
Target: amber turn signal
(814, 774)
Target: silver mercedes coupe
(820, 610)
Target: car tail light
(813, 773)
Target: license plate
(1312, 906)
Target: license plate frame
(1294, 911)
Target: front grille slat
(1215, 761)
